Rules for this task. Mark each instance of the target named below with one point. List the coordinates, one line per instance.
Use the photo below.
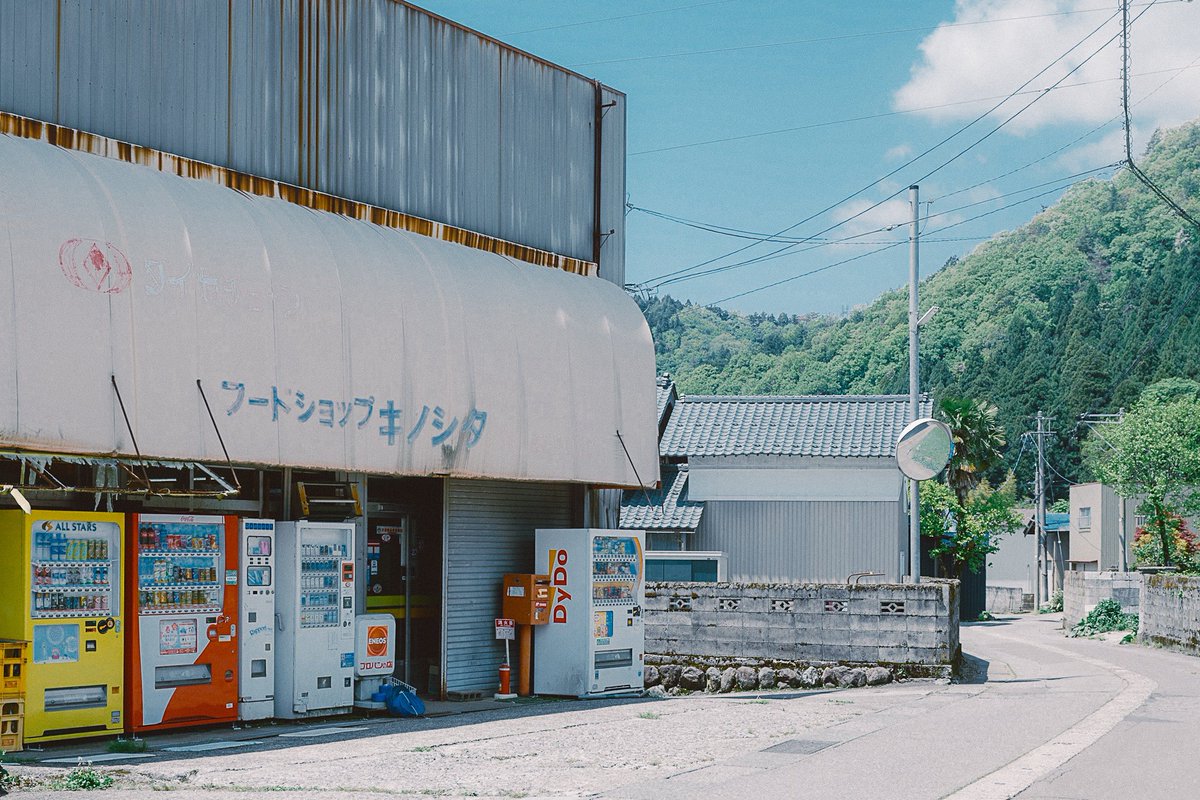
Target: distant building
(1012, 570)
(1096, 527)
(777, 488)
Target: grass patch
(648, 715)
(123, 745)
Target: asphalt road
(1036, 716)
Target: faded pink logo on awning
(95, 266)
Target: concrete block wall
(877, 623)
(1170, 612)
(1083, 590)
(1006, 599)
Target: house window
(1139, 520)
(1085, 518)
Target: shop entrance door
(387, 581)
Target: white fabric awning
(320, 341)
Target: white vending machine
(314, 618)
(594, 643)
(256, 611)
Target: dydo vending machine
(182, 657)
(314, 630)
(60, 590)
(256, 620)
(594, 643)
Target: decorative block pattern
(678, 603)
(783, 622)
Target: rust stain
(82, 141)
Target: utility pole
(914, 383)
(1042, 587)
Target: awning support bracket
(629, 458)
(237, 483)
(145, 475)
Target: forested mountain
(1074, 312)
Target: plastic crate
(12, 725)
(12, 667)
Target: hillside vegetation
(1076, 311)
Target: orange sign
(377, 640)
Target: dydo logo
(558, 582)
(377, 641)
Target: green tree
(1155, 452)
(962, 536)
(978, 442)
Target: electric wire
(729, 267)
(616, 18)
(884, 114)
(809, 272)
(924, 153)
(781, 250)
(1133, 167)
(840, 37)
(739, 233)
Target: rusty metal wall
(374, 101)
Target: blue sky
(747, 71)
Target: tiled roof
(814, 425)
(668, 509)
(665, 389)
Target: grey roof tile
(669, 507)
(811, 425)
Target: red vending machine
(182, 657)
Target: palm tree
(978, 441)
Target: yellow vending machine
(60, 590)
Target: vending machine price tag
(231, 576)
(506, 629)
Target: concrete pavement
(1036, 716)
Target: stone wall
(1170, 612)
(1083, 590)
(1006, 600)
(891, 624)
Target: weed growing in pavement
(83, 778)
(648, 715)
(424, 748)
(1106, 616)
(1055, 605)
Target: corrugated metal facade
(489, 531)
(803, 541)
(374, 101)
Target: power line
(739, 233)
(781, 251)
(809, 272)
(1133, 167)
(837, 38)
(884, 114)
(616, 18)
(926, 152)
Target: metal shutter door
(489, 531)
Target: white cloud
(974, 60)
(898, 152)
(863, 219)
